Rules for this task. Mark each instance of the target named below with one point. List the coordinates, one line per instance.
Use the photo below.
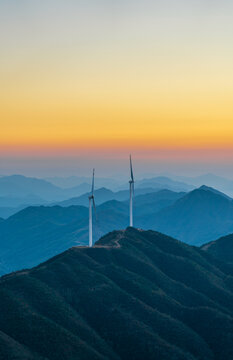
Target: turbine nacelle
(131, 169)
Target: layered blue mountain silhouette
(198, 217)
(17, 192)
(37, 233)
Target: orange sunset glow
(159, 79)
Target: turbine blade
(93, 182)
(131, 169)
(93, 199)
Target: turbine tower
(91, 202)
(131, 192)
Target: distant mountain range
(102, 195)
(198, 217)
(73, 181)
(37, 233)
(223, 184)
(163, 182)
(17, 192)
(134, 295)
(12, 202)
(10, 205)
(158, 182)
(24, 187)
(18, 186)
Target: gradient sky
(92, 80)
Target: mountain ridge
(21, 186)
(221, 248)
(37, 233)
(198, 217)
(135, 294)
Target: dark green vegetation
(221, 248)
(135, 295)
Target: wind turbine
(131, 192)
(91, 202)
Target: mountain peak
(205, 187)
(135, 237)
(213, 190)
(130, 295)
(198, 217)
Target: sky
(84, 83)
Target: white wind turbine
(91, 202)
(131, 192)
